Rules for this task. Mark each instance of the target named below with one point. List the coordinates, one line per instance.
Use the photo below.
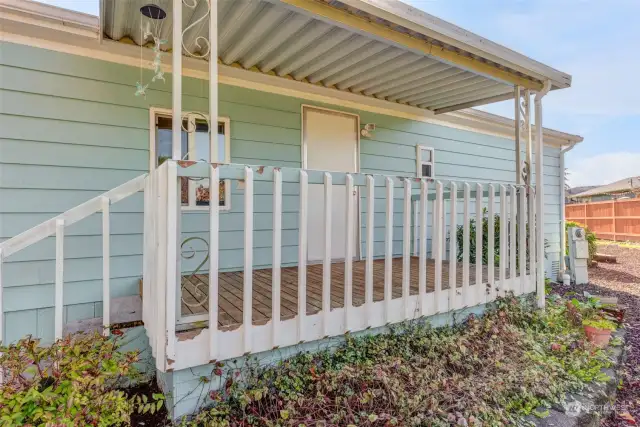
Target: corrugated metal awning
(277, 38)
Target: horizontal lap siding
(71, 128)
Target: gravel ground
(623, 281)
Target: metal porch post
(540, 294)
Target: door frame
(303, 154)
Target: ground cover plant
(491, 370)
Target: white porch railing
(162, 261)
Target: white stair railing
(56, 227)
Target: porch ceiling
(276, 37)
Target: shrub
(72, 382)
(485, 239)
(591, 238)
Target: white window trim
(420, 162)
(153, 113)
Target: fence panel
(617, 220)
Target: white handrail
(55, 226)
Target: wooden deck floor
(195, 288)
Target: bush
(591, 238)
(72, 382)
(485, 239)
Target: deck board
(231, 289)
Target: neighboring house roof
(378, 54)
(622, 186)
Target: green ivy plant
(72, 382)
(600, 324)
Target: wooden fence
(617, 220)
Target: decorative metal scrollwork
(201, 42)
(189, 252)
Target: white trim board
(107, 50)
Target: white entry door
(331, 144)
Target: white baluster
(523, 239)
(491, 240)
(513, 232)
(453, 246)
(247, 318)
(59, 284)
(504, 256)
(368, 289)
(348, 257)
(466, 244)
(106, 271)
(406, 249)
(276, 272)
(437, 244)
(302, 255)
(480, 290)
(326, 262)
(388, 250)
(422, 274)
(214, 249)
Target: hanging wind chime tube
(151, 26)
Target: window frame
(420, 162)
(154, 112)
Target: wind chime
(151, 27)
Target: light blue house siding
(71, 129)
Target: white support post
(422, 275)
(302, 254)
(213, 79)
(59, 284)
(522, 226)
(176, 79)
(214, 247)
(479, 232)
(491, 239)
(526, 104)
(540, 276)
(388, 250)
(518, 133)
(247, 303)
(466, 244)
(348, 253)
(437, 245)
(172, 262)
(276, 274)
(406, 249)
(532, 233)
(326, 262)
(106, 272)
(504, 256)
(453, 246)
(368, 287)
(513, 239)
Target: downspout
(540, 276)
(563, 237)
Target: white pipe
(540, 291)
(563, 242)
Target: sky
(595, 41)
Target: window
(426, 161)
(196, 147)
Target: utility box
(578, 255)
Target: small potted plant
(598, 330)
